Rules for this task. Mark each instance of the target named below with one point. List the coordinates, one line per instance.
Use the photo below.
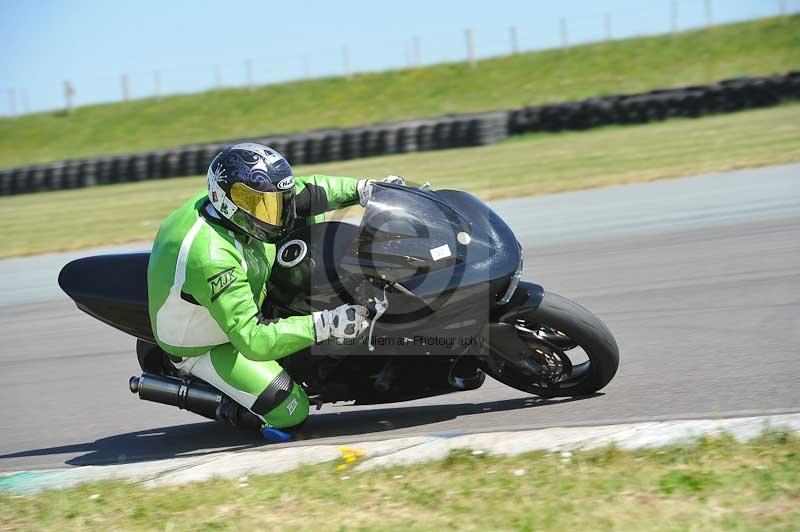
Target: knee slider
(283, 403)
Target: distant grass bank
(764, 46)
(526, 165)
(713, 484)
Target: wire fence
(471, 45)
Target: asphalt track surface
(698, 278)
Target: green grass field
(525, 165)
(713, 484)
(761, 47)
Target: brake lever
(380, 307)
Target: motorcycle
(442, 276)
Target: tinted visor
(269, 207)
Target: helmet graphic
(252, 185)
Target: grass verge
(526, 165)
(709, 484)
(758, 47)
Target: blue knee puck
(273, 435)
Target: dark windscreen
(406, 231)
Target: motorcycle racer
(208, 273)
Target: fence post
(26, 105)
(348, 73)
(607, 24)
(514, 40)
(564, 33)
(306, 66)
(69, 92)
(218, 76)
(468, 36)
(673, 15)
(157, 85)
(12, 102)
(126, 88)
(248, 67)
(709, 14)
(783, 7)
(417, 52)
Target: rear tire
(584, 329)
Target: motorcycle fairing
(113, 289)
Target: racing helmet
(252, 186)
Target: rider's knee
(283, 403)
(292, 412)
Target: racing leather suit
(206, 284)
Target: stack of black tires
(452, 131)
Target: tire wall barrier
(452, 131)
(721, 97)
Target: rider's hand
(365, 187)
(346, 321)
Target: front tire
(575, 327)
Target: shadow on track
(200, 439)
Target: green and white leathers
(206, 284)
